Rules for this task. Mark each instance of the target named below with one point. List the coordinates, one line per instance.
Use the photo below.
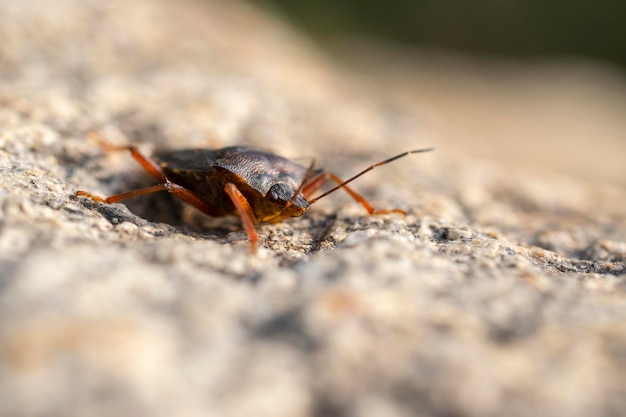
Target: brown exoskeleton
(257, 186)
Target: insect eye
(279, 194)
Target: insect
(255, 185)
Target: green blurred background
(509, 28)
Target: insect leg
(314, 184)
(148, 164)
(245, 212)
(155, 170)
(179, 191)
(317, 182)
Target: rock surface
(502, 292)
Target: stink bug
(257, 186)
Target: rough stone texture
(502, 292)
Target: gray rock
(499, 293)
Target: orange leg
(148, 164)
(241, 204)
(245, 212)
(179, 191)
(155, 170)
(317, 182)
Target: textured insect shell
(253, 171)
(260, 170)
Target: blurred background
(538, 84)
(531, 28)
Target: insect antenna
(307, 177)
(386, 161)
